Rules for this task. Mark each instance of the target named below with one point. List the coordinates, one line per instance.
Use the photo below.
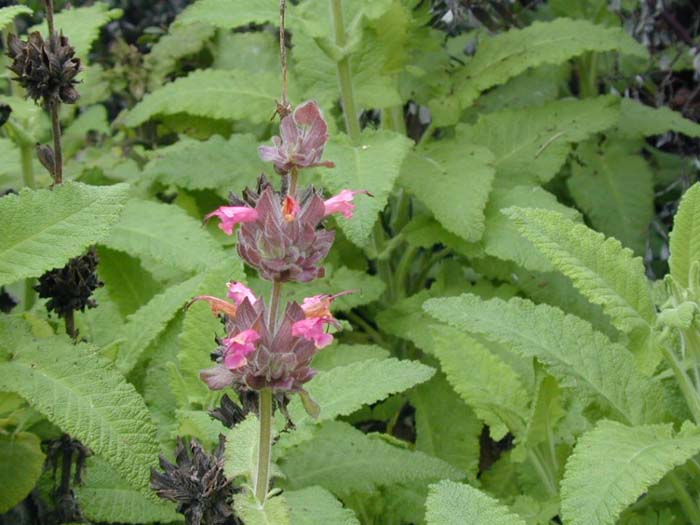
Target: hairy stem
(274, 306)
(293, 180)
(347, 96)
(686, 500)
(283, 53)
(54, 109)
(69, 319)
(49, 19)
(262, 478)
(684, 382)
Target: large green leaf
(613, 465)
(344, 460)
(372, 165)
(229, 14)
(451, 503)
(164, 234)
(639, 120)
(510, 53)
(316, 506)
(21, 464)
(685, 237)
(614, 185)
(7, 14)
(82, 394)
(454, 180)
(128, 284)
(106, 498)
(42, 229)
(574, 353)
(212, 93)
(531, 144)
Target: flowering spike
(312, 329)
(238, 347)
(218, 306)
(239, 291)
(320, 305)
(231, 216)
(342, 203)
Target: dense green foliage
(523, 343)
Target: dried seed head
(69, 288)
(228, 412)
(46, 157)
(45, 68)
(197, 484)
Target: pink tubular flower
(303, 136)
(312, 329)
(239, 291)
(218, 306)
(238, 347)
(320, 305)
(342, 203)
(230, 216)
(290, 208)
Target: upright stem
(686, 500)
(684, 382)
(27, 156)
(274, 306)
(70, 325)
(264, 445)
(49, 20)
(54, 109)
(347, 96)
(283, 54)
(293, 180)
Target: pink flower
(342, 203)
(304, 135)
(239, 291)
(238, 347)
(290, 208)
(320, 305)
(218, 306)
(231, 216)
(312, 329)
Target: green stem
(689, 506)
(684, 382)
(366, 327)
(542, 471)
(27, 156)
(55, 109)
(403, 270)
(383, 265)
(392, 118)
(347, 96)
(262, 478)
(274, 306)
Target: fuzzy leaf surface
(451, 503)
(21, 464)
(613, 464)
(7, 14)
(639, 120)
(317, 506)
(685, 237)
(43, 229)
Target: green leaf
(502, 401)
(128, 284)
(445, 426)
(7, 14)
(502, 239)
(373, 165)
(252, 51)
(242, 449)
(212, 93)
(605, 272)
(229, 14)
(144, 325)
(342, 355)
(614, 185)
(82, 394)
(531, 144)
(574, 353)
(275, 510)
(67, 219)
(165, 234)
(513, 52)
(21, 464)
(451, 503)
(344, 460)
(105, 497)
(638, 120)
(216, 164)
(81, 25)
(454, 180)
(613, 464)
(316, 506)
(685, 237)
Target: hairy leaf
(344, 460)
(685, 237)
(574, 353)
(373, 165)
(21, 464)
(242, 449)
(316, 506)
(229, 14)
(82, 394)
(454, 180)
(613, 464)
(275, 511)
(342, 355)
(638, 120)
(106, 498)
(165, 234)
(508, 54)
(614, 185)
(128, 284)
(212, 93)
(451, 503)
(8, 13)
(42, 229)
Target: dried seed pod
(45, 68)
(47, 158)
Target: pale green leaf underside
(508, 54)
(613, 464)
(685, 237)
(275, 511)
(241, 449)
(600, 268)
(451, 503)
(42, 229)
(165, 234)
(21, 464)
(575, 354)
(454, 180)
(104, 497)
(83, 395)
(344, 460)
(317, 506)
(373, 165)
(7, 14)
(211, 93)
